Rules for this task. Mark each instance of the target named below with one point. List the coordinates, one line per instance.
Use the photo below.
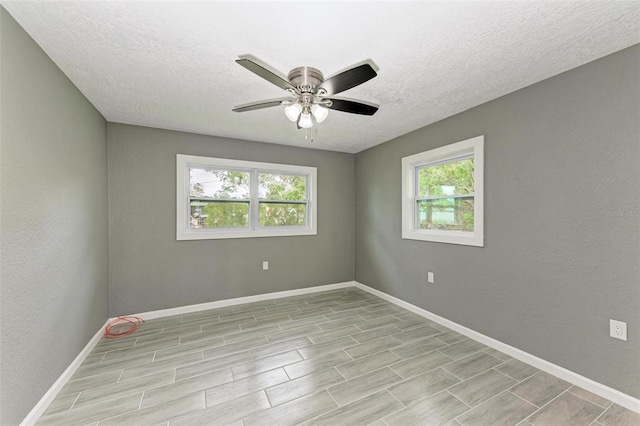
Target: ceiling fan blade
(352, 106)
(347, 79)
(265, 73)
(260, 104)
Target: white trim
(50, 395)
(473, 147)
(592, 386)
(181, 310)
(182, 192)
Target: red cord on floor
(133, 321)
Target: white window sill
(217, 234)
(447, 237)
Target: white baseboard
(240, 300)
(592, 386)
(53, 391)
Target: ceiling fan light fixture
(310, 95)
(305, 120)
(293, 111)
(319, 112)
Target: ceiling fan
(310, 95)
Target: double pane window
(221, 198)
(443, 194)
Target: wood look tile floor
(341, 357)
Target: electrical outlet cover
(618, 329)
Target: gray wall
(53, 216)
(555, 267)
(150, 270)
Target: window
(443, 194)
(222, 198)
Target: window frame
(184, 232)
(473, 147)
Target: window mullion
(254, 218)
(444, 197)
(307, 195)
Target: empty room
(380, 213)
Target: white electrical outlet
(430, 277)
(265, 265)
(618, 329)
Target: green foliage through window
(277, 214)
(210, 188)
(452, 178)
(282, 187)
(445, 196)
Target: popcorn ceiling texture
(171, 64)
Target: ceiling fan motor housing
(306, 79)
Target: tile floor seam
(582, 397)
(127, 392)
(602, 414)
(526, 378)
(345, 379)
(404, 379)
(139, 402)
(119, 377)
(287, 374)
(363, 374)
(352, 358)
(496, 396)
(206, 405)
(74, 401)
(528, 402)
(355, 400)
(267, 395)
(471, 377)
(442, 366)
(394, 397)
(97, 402)
(508, 376)
(332, 398)
(361, 330)
(469, 407)
(199, 375)
(544, 405)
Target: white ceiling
(172, 64)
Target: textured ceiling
(172, 64)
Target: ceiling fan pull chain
(308, 135)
